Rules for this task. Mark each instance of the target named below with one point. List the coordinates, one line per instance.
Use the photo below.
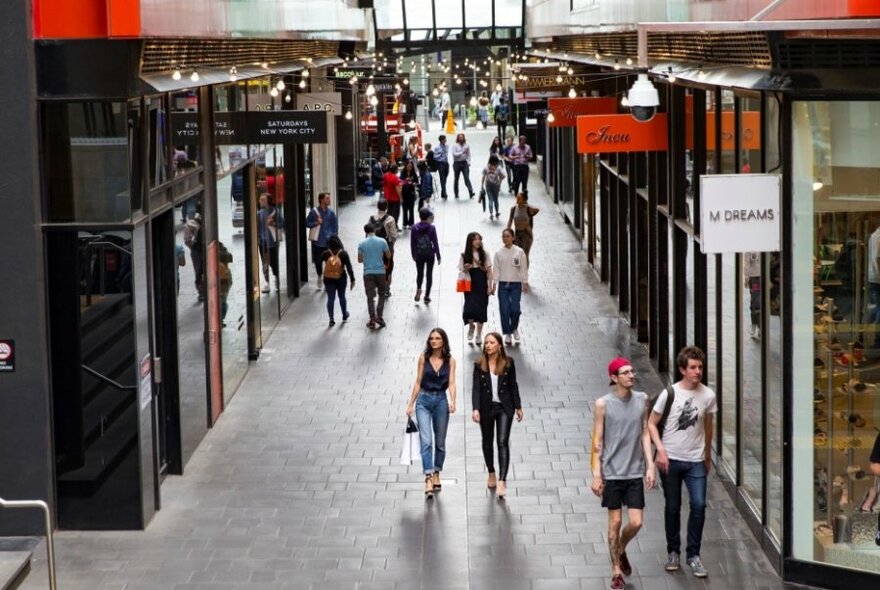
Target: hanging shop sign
(7, 356)
(287, 127)
(567, 110)
(598, 134)
(330, 102)
(254, 127)
(229, 128)
(739, 213)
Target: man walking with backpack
(385, 227)
(621, 459)
(372, 253)
(684, 454)
(425, 248)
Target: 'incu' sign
(598, 134)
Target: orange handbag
(463, 285)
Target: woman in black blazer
(495, 399)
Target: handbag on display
(463, 284)
(412, 444)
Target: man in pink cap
(621, 458)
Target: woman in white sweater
(510, 280)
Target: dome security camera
(643, 99)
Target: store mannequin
(873, 259)
(752, 282)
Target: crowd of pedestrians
(637, 440)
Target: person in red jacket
(393, 188)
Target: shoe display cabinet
(845, 402)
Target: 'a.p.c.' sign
(598, 134)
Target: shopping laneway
(299, 485)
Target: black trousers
(499, 422)
(423, 265)
(443, 170)
(462, 168)
(270, 256)
(317, 257)
(520, 178)
(502, 130)
(409, 205)
(394, 211)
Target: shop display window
(730, 285)
(836, 356)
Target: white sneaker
(507, 339)
(478, 339)
(265, 288)
(318, 283)
(516, 336)
(470, 332)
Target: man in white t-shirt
(684, 454)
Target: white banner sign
(740, 213)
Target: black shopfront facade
(798, 404)
(157, 296)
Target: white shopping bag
(412, 445)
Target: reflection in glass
(690, 314)
(753, 286)
(730, 283)
(728, 129)
(87, 168)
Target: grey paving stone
(298, 486)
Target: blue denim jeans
(336, 287)
(694, 477)
(509, 295)
(432, 417)
(492, 197)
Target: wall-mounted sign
(346, 73)
(254, 127)
(229, 128)
(567, 110)
(330, 102)
(739, 213)
(287, 127)
(7, 356)
(621, 133)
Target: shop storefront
(790, 334)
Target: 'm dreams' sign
(739, 213)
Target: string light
(273, 92)
(176, 75)
(280, 85)
(572, 93)
(373, 100)
(302, 84)
(194, 76)
(551, 117)
(348, 115)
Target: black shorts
(623, 492)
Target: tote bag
(463, 284)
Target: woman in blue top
(436, 375)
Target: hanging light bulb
(302, 84)
(629, 61)
(473, 101)
(559, 79)
(305, 73)
(194, 76)
(287, 97)
(406, 81)
(280, 85)
(569, 71)
(572, 93)
(551, 117)
(176, 75)
(348, 115)
(616, 65)
(598, 55)
(233, 74)
(624, 101)
(435, 92)
(353, 80)
(671, 76)
(373, 100)
(498, 87)
(371, 90)
(273, 92)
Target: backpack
(501, 113)
(333, 265)
(431, 161)
(424, 247)
(492, 177)
(224, 274)
(379, 226)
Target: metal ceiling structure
(412, 27)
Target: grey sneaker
(696, 565)
(673, 562)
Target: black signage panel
(229, 128)
(7, 356)
(287, 127)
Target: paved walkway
(299, 486)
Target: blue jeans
(874, 300)
(432, 417)
(694, 477)
(492, 197)
(336, 287)
(509, 295)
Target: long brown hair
(503, 359)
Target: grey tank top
(622, 455)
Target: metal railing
(50, 542)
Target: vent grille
(166, 55)
(801, 54)
(749, 49)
